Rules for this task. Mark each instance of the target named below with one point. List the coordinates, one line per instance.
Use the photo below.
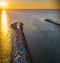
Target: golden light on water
(4, 20)
(5, 38)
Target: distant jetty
(22, 54)
(51, 21)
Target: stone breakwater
(22, 52)
(51, 21)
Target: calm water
(43, 38)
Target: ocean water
(43, 38)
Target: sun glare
(3, 4)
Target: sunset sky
(31, 4)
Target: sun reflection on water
(5, 39)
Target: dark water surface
(43, 38)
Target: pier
(51, 21)
(21, 51)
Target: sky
(32, 4)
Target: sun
(3, 4)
